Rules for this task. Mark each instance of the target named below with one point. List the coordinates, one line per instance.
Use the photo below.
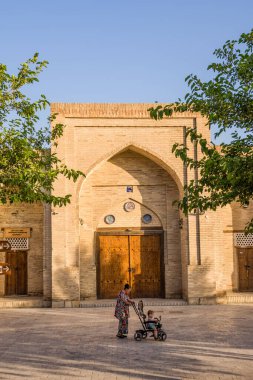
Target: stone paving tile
(204, 342)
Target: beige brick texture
(27, 215)
(118, 145)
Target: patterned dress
(122, 313)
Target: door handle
(131, 270)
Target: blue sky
(119, 51)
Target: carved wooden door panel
(133, 259)
(22, 273)
(16, 283)
(114, 264)
(242, 262)
(250, 269)
(10, 281)
(145, 276)
(245, 261)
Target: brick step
(23, 302)
(146, 302)
(239, 298)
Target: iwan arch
(130, 201)
(122, 226)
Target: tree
(226, 100)
(28, 167)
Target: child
(151, 323)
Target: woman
(122, 311)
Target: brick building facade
(121, 225)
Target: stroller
(142, 334)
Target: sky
(123, 51)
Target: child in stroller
(152, 325)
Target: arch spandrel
(146, 152)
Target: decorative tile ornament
(109, 219)
(147, 218)
(129, 189)
(129, 206)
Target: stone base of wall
(202, 301)
(90, 303)
(65, 303)
(39, 302)
(226, 299)
(23, 302)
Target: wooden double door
(132, 259)
(245, 261)
(16, 283)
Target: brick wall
(117, 145)
(27, 215)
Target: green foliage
(226, 100)
(28, 167)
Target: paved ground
(204, 342)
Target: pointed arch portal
(140, 245)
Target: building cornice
(111, 110)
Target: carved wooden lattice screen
(19, 244)
(242, 240)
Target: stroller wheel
(138, 336)
(162, 336)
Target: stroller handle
(138, 314)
